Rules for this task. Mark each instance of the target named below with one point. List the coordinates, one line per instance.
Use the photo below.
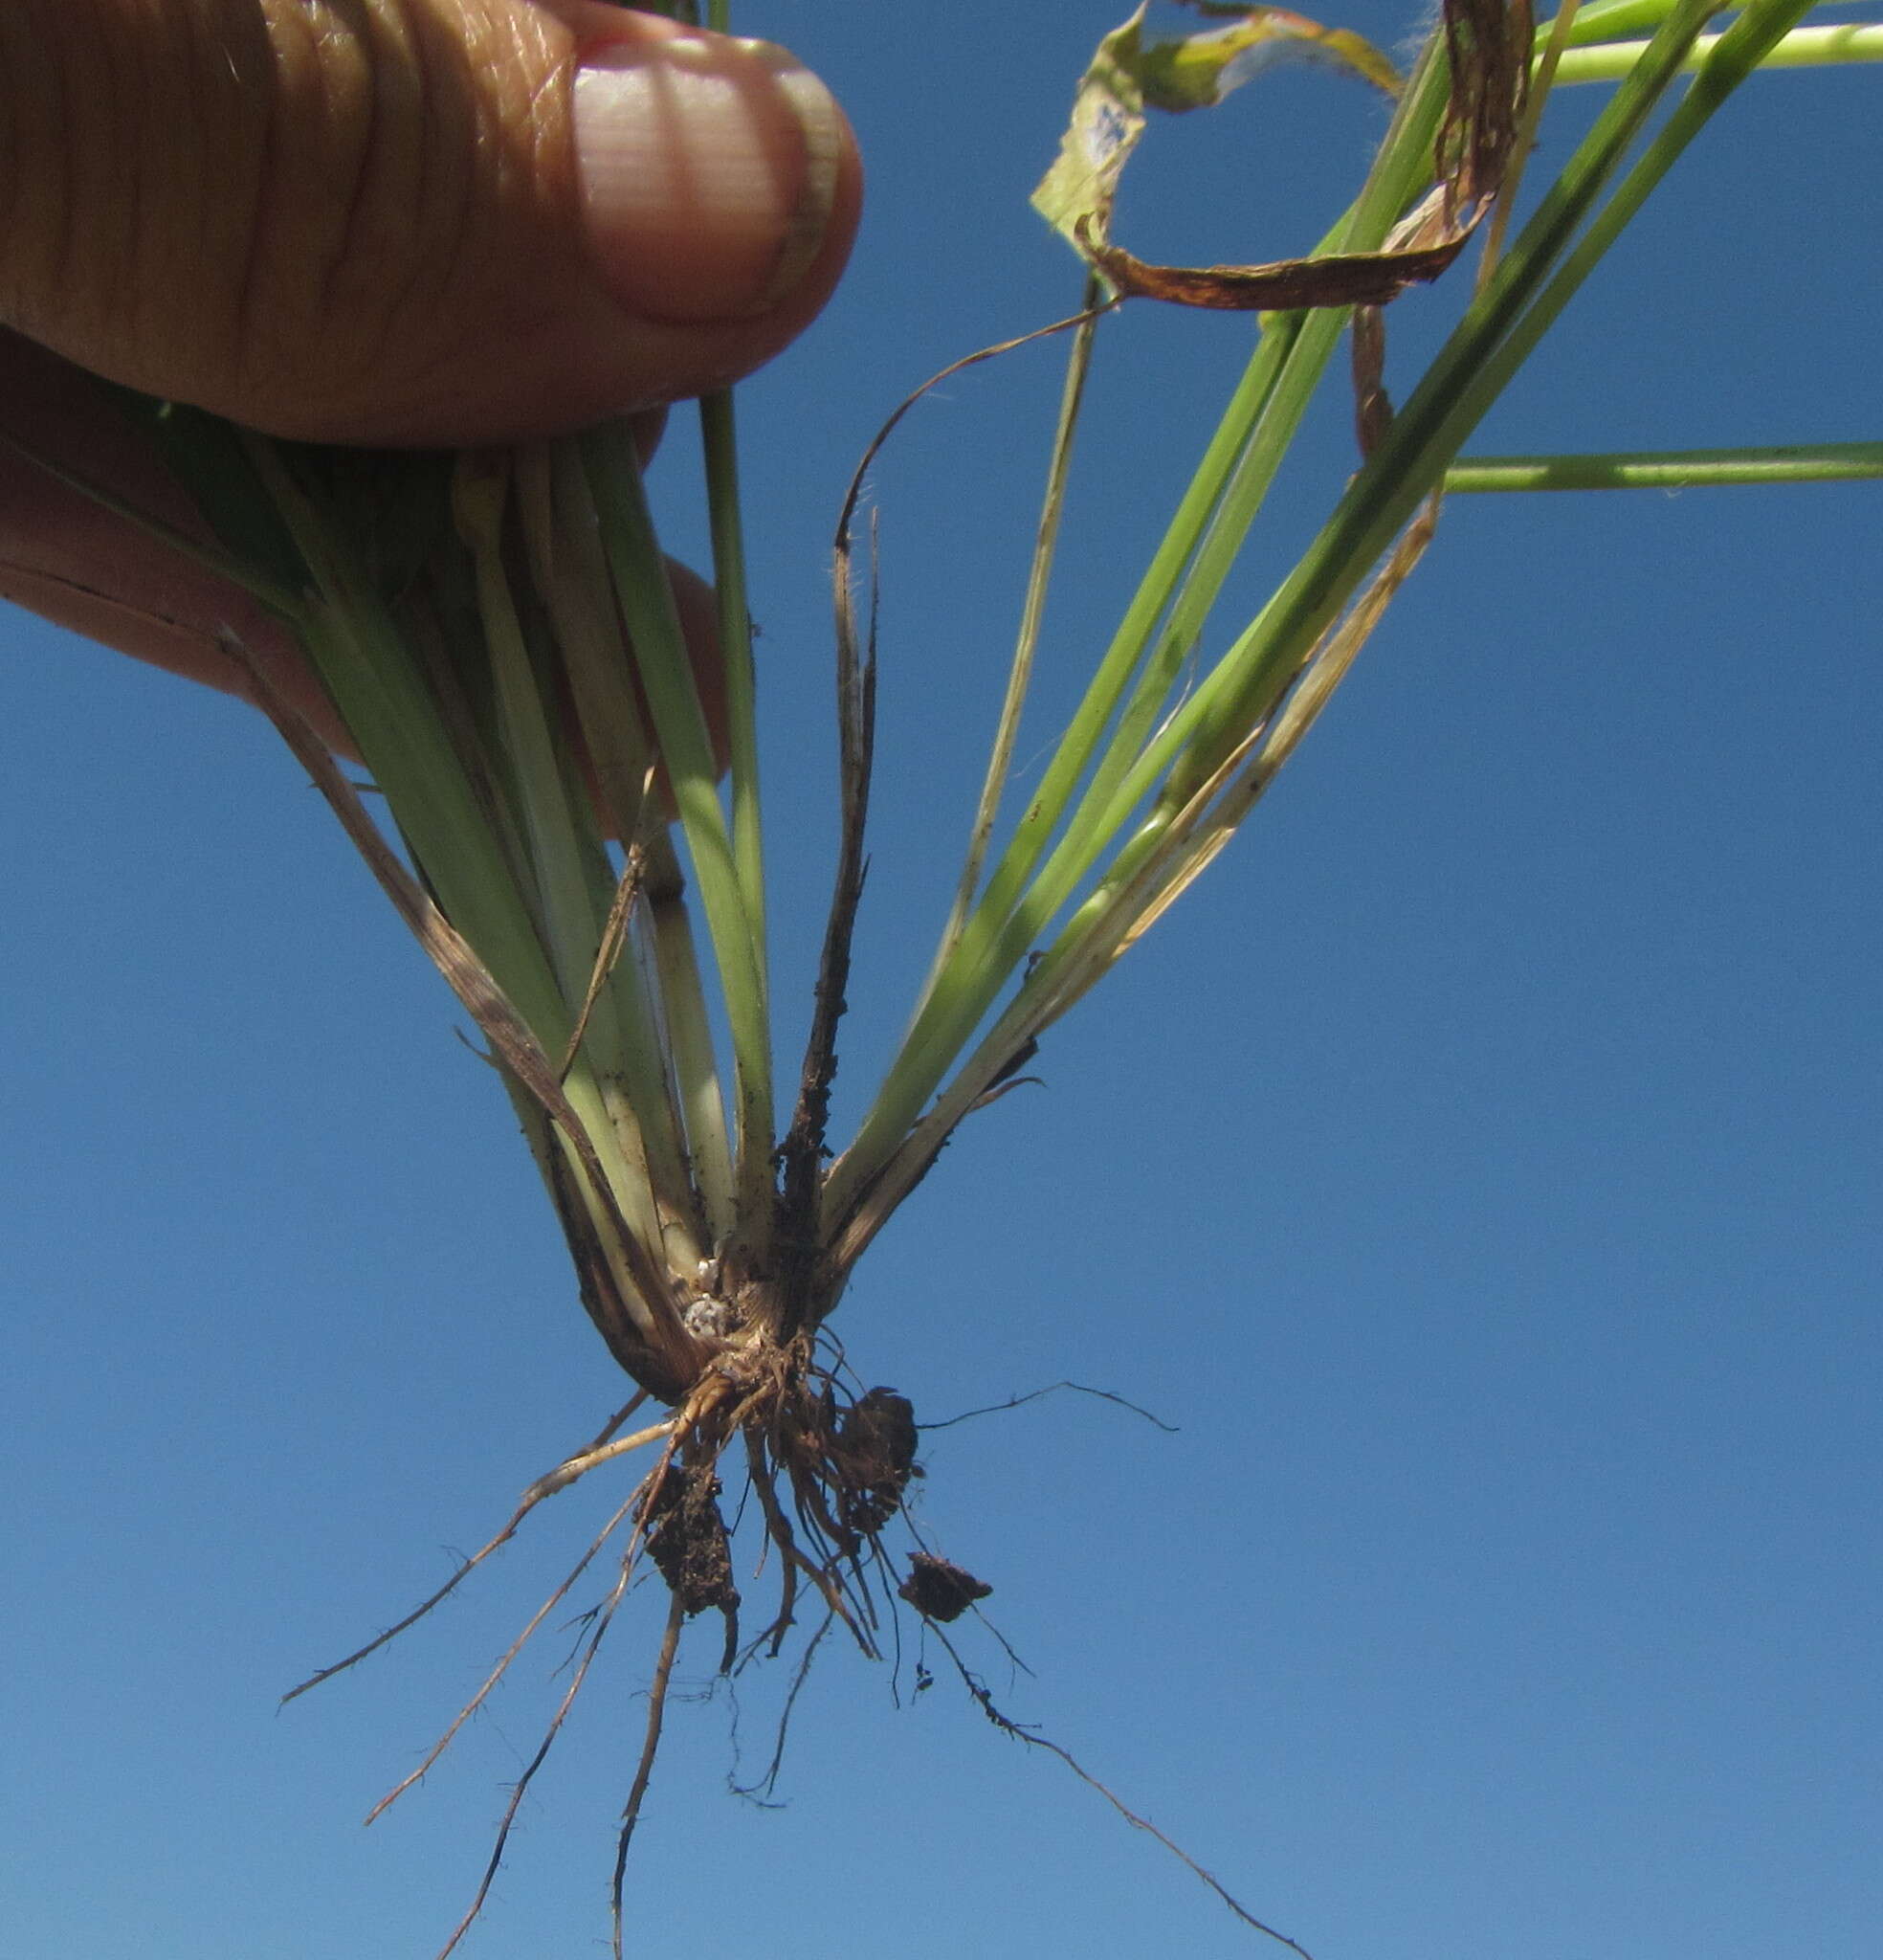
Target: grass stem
(647, 608)
(1078, 366)
(1805, 47)
(1670, 469)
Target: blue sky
(1481, 1169)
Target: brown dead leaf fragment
(1360, 279)
(1373, 408)
(1487, 44)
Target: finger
(412, 221)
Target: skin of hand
(391, 222)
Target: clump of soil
(938, 1589)
(686, 1538)
(873, 1455)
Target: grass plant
(569, 818)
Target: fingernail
(709, 170)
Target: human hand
(431, 222)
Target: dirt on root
(873, 1455)
(940, 1591)
(686, 1538)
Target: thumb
(411, 221)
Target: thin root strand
(646, 1497)
(631, 1816)
(502, 1668)
(565, 1472)
(1006, 1726)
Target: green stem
(1602, 20)
(660, 654)
(560, 897)
(1300, 346)
(1019, 677)
(372, 675)
(1805, 47)
(572, 890)
(690, 1037)
(1670, 469)
(719, 442)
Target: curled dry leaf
(1130, 73)
(1488, 42)
(1357, 278)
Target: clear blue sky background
(1482, 1169)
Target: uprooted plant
(570, 790)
